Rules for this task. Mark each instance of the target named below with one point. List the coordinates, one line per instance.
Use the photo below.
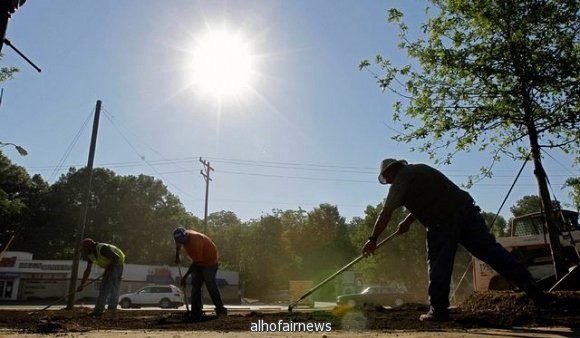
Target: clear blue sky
(312, 128)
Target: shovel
(184, 288)
(353, 262)
(70, 294)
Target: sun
(222, 65)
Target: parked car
(375, 295)
(164, 296)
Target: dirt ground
(482, 311)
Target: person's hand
(183, 282)
(369, 248)
(403, 227)
(80, 288)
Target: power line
(71, 146)
(294, 166)
(165, 179)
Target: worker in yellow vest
(111, 259)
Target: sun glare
(222, 65)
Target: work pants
(467, 228)
(199, 276)
(109, 290)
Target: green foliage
(488, 75)
(265, 266)
(497, 76)
(7, 73)
(137, 214)
(19, 199)
(574, 184)
(496, 223)
(391, 262)
(526, 205)
(226, 230)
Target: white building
(23, 278)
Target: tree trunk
(560, 267)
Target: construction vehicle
(528, 240)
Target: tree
(323, 241)
(391, 262)
(7, 73)
(574, 184)
(136, 213)
(225, 229)
(327, 247)
(501, 76)
(10, 205)
(499, 226)
(265, 266)
(19, 199)
(526, 205)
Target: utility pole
(205, 175)
(83, 221)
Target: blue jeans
(207, 275)
(109, 290)
(467, 228)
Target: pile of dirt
(481, 310)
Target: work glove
(80, 288)
(403, 227)
(369, 248)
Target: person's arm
(177, 249)
(380, 225)
(406, 224)
(85, 275)
(189, 271)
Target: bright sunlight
(222, 65)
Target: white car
(164, 296)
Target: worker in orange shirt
(204, 265)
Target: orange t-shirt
(201, 249)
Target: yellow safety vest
(103, 261)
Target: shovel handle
(70, 294)
(353, 262)
(185, 288)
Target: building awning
(9, 275)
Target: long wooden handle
(353, 262)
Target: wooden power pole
(205, 175)
(85, 208)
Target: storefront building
(23, 278)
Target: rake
(353, 262)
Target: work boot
(191, 318)
(433, 316)
(221, 312)
(540, 298)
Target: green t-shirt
(428, 194)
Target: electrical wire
(70, 147)
(165, 179)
